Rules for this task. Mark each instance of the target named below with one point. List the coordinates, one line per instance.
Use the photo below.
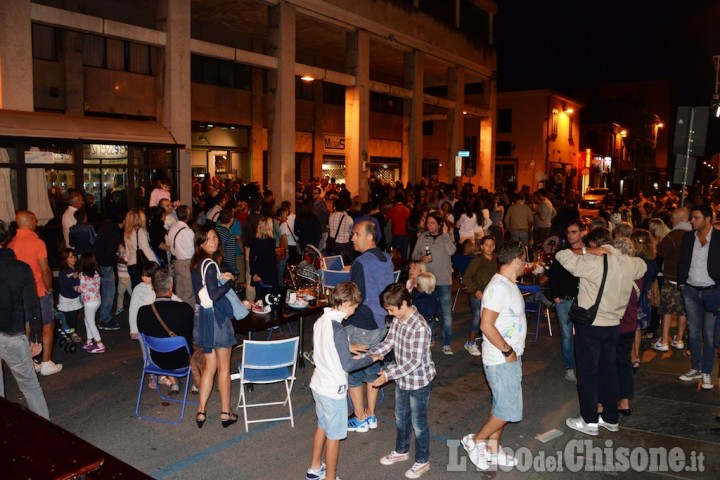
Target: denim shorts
(46, 309)
(505, 382)
(365, 375)
(332, 415)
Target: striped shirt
(410, 340)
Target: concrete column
(412, 153)
(455, 120)
(281, 102)
(357, 115)
(72, 53)
(486, 152)
(16, 67)
(318, 128)
(174, 111)
(257, 132)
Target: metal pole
(687, 155)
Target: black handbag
(586, 316)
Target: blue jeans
(444, 296)
(107, 293)
(475, 306)
(411, 411)
(15, 350)
(702, 307)
(566, 328)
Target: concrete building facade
(110, 96)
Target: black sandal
(232, 418)
(198, 420)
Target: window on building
(570, 129)
(303, 89)
(503, 149)
(115, 54)
(333, 93)
(428, 127)
(504, 120)
(555, 117)
(383, 103)
(44, 45)
(222, 73)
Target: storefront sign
(97, 151)
(334, 144)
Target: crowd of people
(184, 265)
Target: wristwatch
(508, 352)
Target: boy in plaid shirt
(409, 336)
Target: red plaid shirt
(410, 340)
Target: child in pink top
(90, 295)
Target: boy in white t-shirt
(329, 383)
(504, 326)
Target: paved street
(94, 397)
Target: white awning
(15, 123)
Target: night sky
(564, 44)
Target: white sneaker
(49, 368)
(570, 375)
(476, 451)
(36, 366)
(394, 457)
(580, 425)
(417, 470)
(447, 350)
(660, 346)
(611, 427)
(707, 383)
(677, 345)
(691, 375)
(502, 459)
(472, 349)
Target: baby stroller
(307, 273)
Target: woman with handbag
(137, 244)
(214, 332)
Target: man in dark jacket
(19, 306)
(699, 280)
(105, 249)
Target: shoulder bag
(586, 316)
(157, 315)
(330, 242)
(203, 294)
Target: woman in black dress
(263, 263)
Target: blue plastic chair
(331, 278)
(533, 305)
(164, 345)
(264, 363)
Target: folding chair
(330, 278)
(534, 305)
(265, 363)
(334, 262)
(164, 345)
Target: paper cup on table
(293, 297)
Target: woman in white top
(467, 224)
(136, 236)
